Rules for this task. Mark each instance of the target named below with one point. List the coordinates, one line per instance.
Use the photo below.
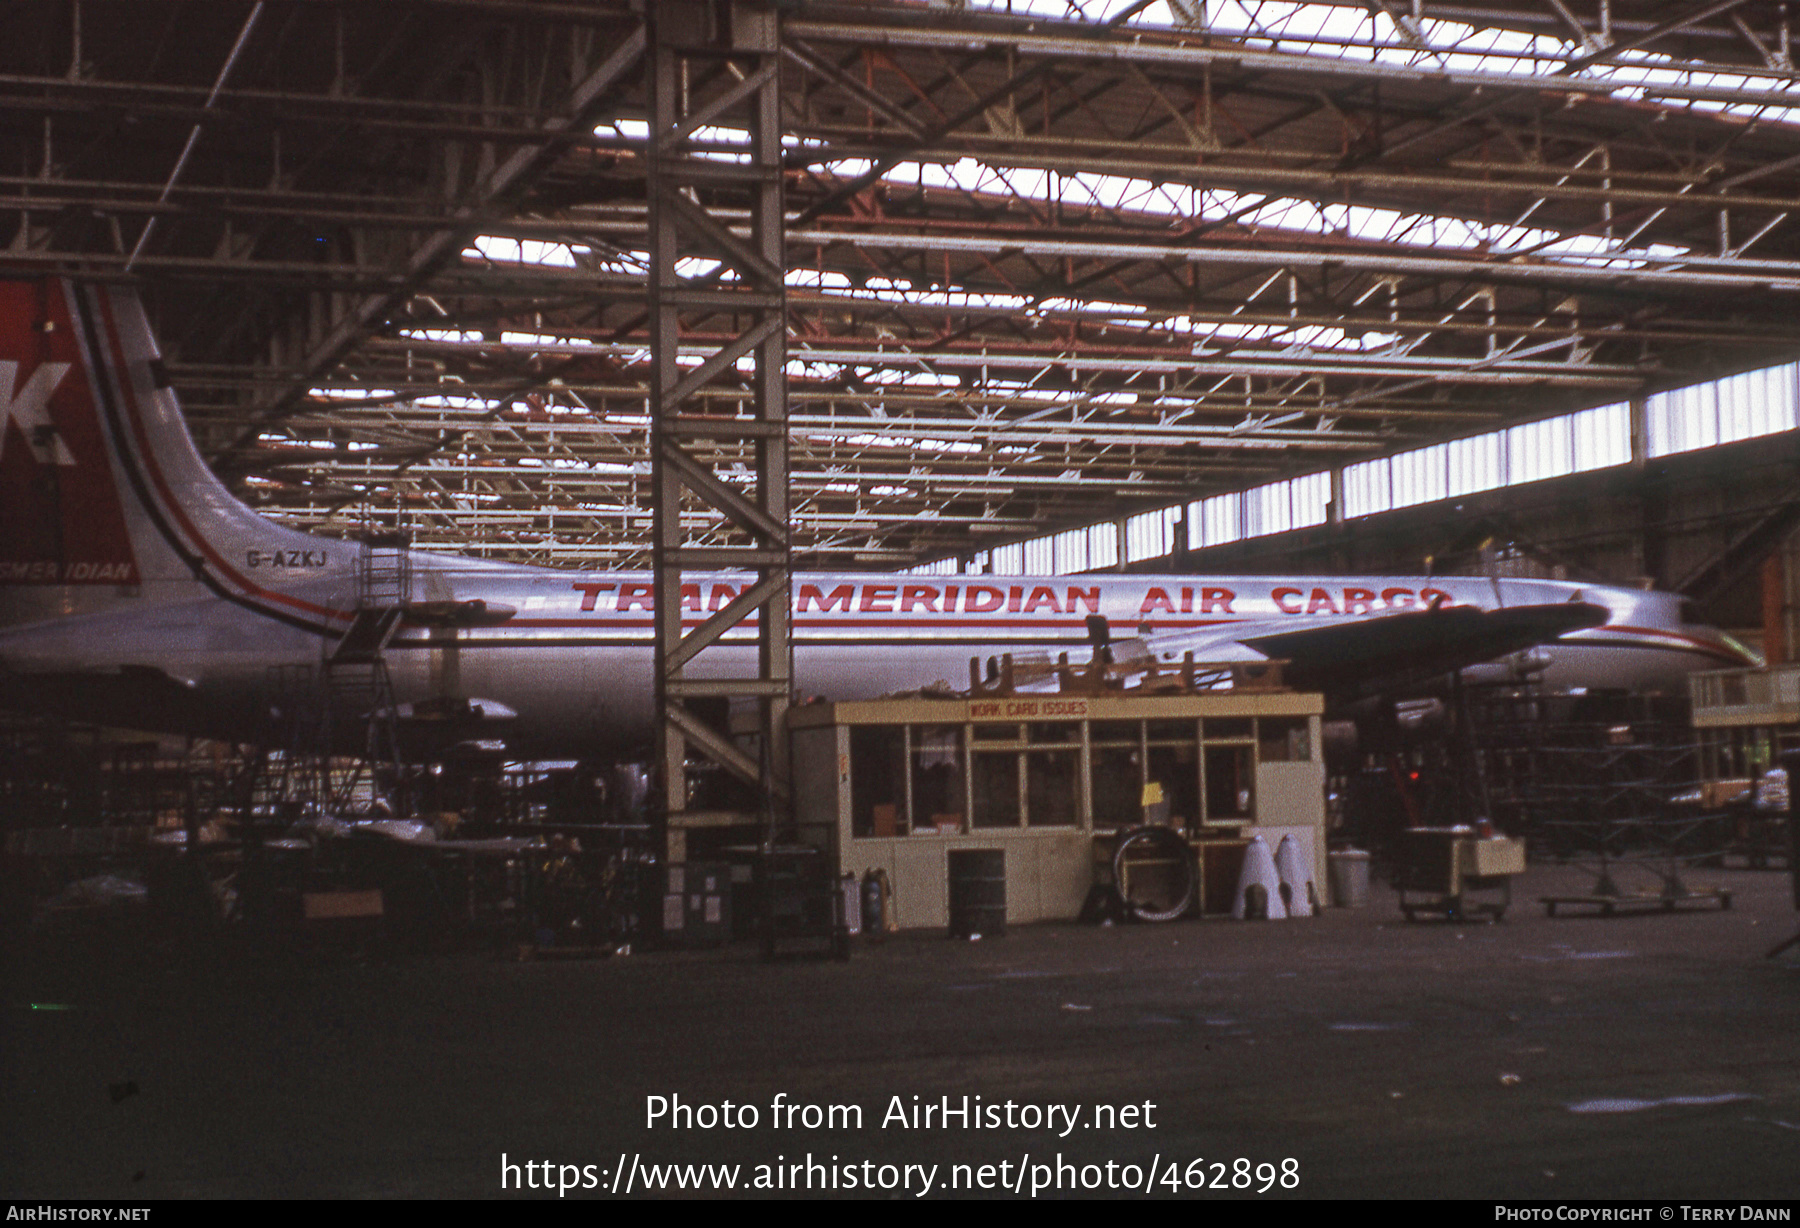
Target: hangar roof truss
(1045, 265)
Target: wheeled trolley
(1453, 873)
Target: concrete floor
(1654, 1056)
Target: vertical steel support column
(715, 144)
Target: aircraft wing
(1355, 658)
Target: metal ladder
(292, 765)
(359, 690)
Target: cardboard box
(1717, 794)
(1499, 855)
(329, 905)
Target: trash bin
(1349, 877)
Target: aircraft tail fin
(103, 496)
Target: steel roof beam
(583, 100)
(1075, 47)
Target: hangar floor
(1569, 1057)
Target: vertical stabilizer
(103, 497)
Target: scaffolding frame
(715, 69)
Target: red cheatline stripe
(851, 622)
(1708, 645)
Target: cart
(1453, 873)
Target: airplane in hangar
(136, 590)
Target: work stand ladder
(359, 690)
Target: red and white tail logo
(63, 522)
(103, 497)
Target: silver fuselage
(575, 661)
(135, 589)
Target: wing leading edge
(1351, 660)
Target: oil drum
(977, 893)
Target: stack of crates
(802, 901)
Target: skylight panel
(455, 336)
(521, 251)
(1345, 30)
(342, 392)
(448, 401)
(1102, 547)
(1309, 499)
(1151, 534)
(1187, 203)
(1368, 488)
(1539, 450)
(1602, 436)
(1738, 407)
(1474, 464)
